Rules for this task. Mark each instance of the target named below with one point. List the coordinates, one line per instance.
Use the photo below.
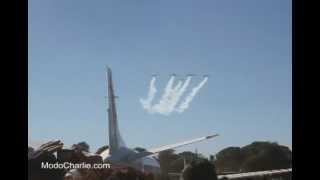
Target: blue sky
(245, 46)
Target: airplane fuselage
(120, 159)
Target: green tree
(191, 156)
(270, 158)
(83, 146)
(204, 170)
(256, 156)
(229, 159)
(165, 159)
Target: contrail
(177, 87)
(185, 104)
(171, 96)
(176, 95)
(161, 106)
(168, 89)
(165, 107)
(146, 103)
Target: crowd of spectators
(53, 152)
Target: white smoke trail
(185, 104)
(176, 95)
(167, 91)
(177, 87)
(161, 106)
(171, 96)
(146, 103)
(165, 106)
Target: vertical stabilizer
(115, 140)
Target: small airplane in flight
(119, 154)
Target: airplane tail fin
(115, 139)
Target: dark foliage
(173, 163)
(203, 170)
(30, 152)
(35, 172)
(257, 156)
(229, 159)
(44, 154)
(101, 149)
(81, 146)
(165, 159)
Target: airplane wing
(166, 147)
(173, 146)
(255, 174)
(241, 176)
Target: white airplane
(257, 174)
(274, 174)
(118, 154)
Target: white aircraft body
(278, 172)
(274, 174)
(118, 154)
